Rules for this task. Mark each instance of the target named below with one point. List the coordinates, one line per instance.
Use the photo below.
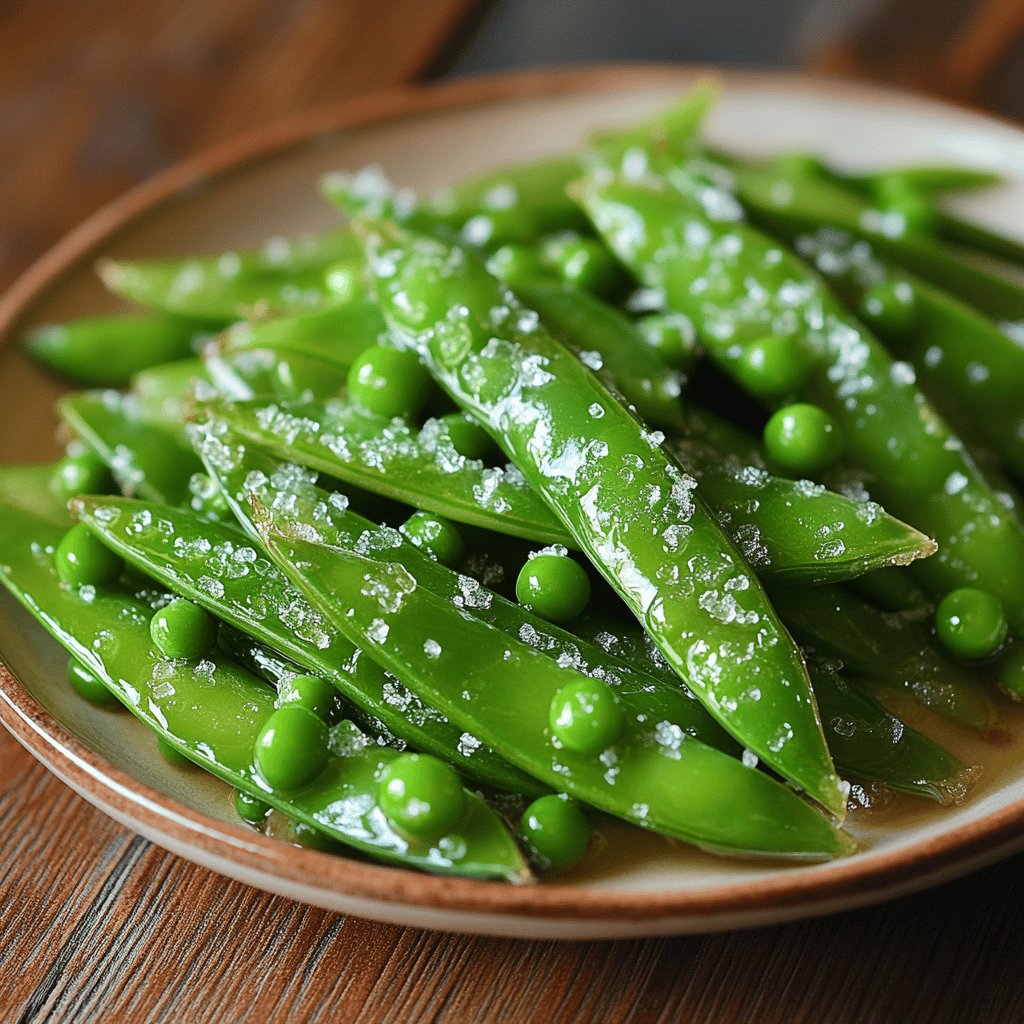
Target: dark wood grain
(97, 924)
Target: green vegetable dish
(647, 483)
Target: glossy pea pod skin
(217, 567)
(150, 458)
(919, 467)
(284, 276)
(107, 351)
(212, 711)
(503, 689)
(970, 369)
(630, 507)
(34, 490)
(164, 392)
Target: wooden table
(96, 923)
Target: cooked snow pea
(627, 503)
(218, 568)
(920, 468)
(106, 351)
(213, 711)
(164, 391)
(888, 650)
(150, 458)
(284, 276)
(502, 689)
(970, 369)
(247, 476)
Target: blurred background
(96, 95)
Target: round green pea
(436, 536)
(89, 686)
(672, 336)
(773, 366)
(469, 439)
(556, 831)
(81, 559)
(515, 264)
(291, 748)
(81, 473)
(389, 382)
(971, 622)
(802, 438)
(422, 796)
(1010, 671)
(891, 307)
(585, 716)
(172, 755)
(251, 808)
(312, 693)
(582, 262)
(182, 629)
(556, 587)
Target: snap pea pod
(627, 503)
(502, 690)
(891, 589)
(163, 392)
(216, 567)
(970, 369)
(921, 469)
(285, 275)
(891, 651)
(921, 179)
(106, 351)
(793, 205)
(212, 711)
(148, 457)
(33, 490)
(246, 476)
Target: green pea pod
(149, 458)
(670, 240)
(971, 370)
(923, 179)
(891, 651)
(873, 745)
(335, 335)
(33, 490)
(164, 391)
(213, 711)
(891, 589)
(246, 476)
(391, 458)
(607, 340)
(106, 351)
(626, 502)
(959, 231)
(283, 276)
(502, 690)
(214, 566)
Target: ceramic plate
(266, 184)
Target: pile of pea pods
(648, 482)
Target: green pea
(1011, 671)
(82, 560)
(89, 686)
(469, 439)
(171, 754)
(585, 716)
(556, 587)
(773, 366)
(291, 748)
(312, 693)
(81, 473)
(436, 536)
(583, 262)
(802, 438)
(556, 831)
(672, 336)
(251, 808)
(343, 283)
(422, 796)
(916, 212)
(182, 629)
(891, 307)
(389, 382)
(514, 264)
(971, 622)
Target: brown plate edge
(851, 882)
